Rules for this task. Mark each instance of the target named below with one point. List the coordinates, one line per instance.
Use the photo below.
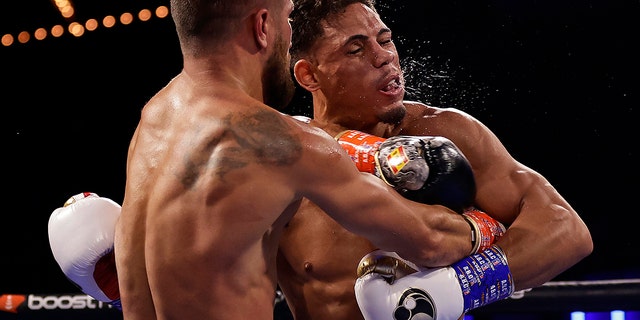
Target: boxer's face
(358, 69)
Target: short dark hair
(213, 20)
(306, 20)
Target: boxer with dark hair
(344, 55)
(215, 172)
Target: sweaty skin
(214, 174)
(353, 73)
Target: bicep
(504, 184)
(501, 181)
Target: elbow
(585, 245)
(580, 243)
(576, 236)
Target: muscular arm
(363, 204)
(546, 235)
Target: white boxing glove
(391, 288)
(81, 238)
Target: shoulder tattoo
(262, 137)
(267, 136)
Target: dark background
(555, 80)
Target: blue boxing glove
(389, 287)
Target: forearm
(447, 238)
(440, 236)
(429, 235)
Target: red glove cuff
(485, 230)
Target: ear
(260, 26)
(303, 72)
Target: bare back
(213, 176)
(204, 206)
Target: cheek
(348, 78)
(356, 80)
(351, 72)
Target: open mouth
(393, 85)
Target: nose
(383, 56)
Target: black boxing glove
(426, 169)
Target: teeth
(391, 85)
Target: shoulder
(320, 153)
(423, 119)
(314, 139)
(472, 137)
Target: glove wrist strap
(475, 231)
(484, 278)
